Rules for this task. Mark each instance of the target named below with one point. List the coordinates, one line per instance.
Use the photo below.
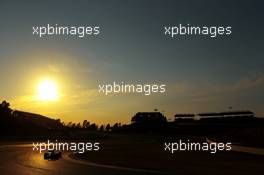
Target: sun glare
(47, 91)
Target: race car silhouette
(52, 155)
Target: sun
(47, 91)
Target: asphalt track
(19, 159)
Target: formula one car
(52, 155)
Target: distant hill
(38, 120)
(20, 123)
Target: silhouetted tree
(101, 128)
(78, 125)
(85, 124)
(108, 127)
(5, 109)
(93, 127)
(73, 125)
(115, 126)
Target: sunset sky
(202, 74)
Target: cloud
(194, 91)
(248, 83)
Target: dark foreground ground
(18, 159)
(129, 155)
(147, 152)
